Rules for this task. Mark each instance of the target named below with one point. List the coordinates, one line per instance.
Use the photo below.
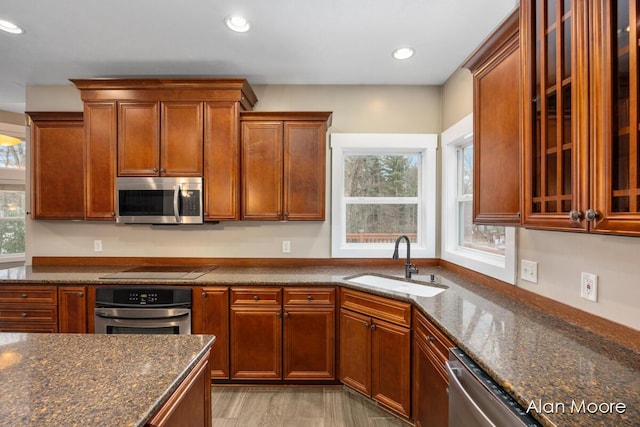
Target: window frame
(493, 265)
(365, 143)
(16, 177)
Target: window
(12, 200)
(383, 186)
(487, 249)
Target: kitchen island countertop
(82, 379)
(565, 375)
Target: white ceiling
(291, 41)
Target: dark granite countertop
(560, 371)
(82, 380)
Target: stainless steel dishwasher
(476, 400)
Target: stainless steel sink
(396, 284)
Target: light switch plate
(529, 271)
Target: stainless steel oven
(138, 310)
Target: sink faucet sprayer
(408, 267)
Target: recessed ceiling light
(237, 23)
(10, 27)
(403, 53)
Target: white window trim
(499, 267)
(345, 143)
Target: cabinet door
(304, 170)
(556, 113)
(309, 343)
(430, 397)
(355, 351)
(57, 162)
(496, 136)
(391, 366)
(181, 134)
(617, 120)
(190, 404)
(138, 139)
(100, 140)
(256, 343)
(262, 170)
(221, 161)
(72, 309)
(211, 316)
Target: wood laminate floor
(293, 407)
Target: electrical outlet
(529, 271)
(97, 245)
(589, 286)
(286, 246)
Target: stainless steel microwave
(158, 200)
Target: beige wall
(391, 109)
(562, 256)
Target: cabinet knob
(286, 214)
(24, 314)
(278, 314)
(112, 213)
(204, 295)
(430, 338)
(286, 315)
(575, 216)
(162, 170)
(80, 294)
(373, 327)
(309, 298)
(256, 298)
(154, 170)
(366, 324)
(592, 215)
(23, 296)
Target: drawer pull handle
(24, 314)
(256, 298)
(309, 298)
(23, 296)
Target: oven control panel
(136, 297)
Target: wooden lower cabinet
(210, 311)
(72, 309)
(430, 379)
(283, 333)
(28, 309)
(309, 333)
(256, 343)
(190, 404)
(375, 354)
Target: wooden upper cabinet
(556, 114)
(57, 165)
(138, 138)
(221, 161)
(284, 165)
(100, 132)
(616, 187)
(181, 137)
(497, 116)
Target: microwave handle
(176, 208)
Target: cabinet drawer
(309, 296)
(28, 294)
(256, 296)
(436, 341)
(373, 305)
(28, 314)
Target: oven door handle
(118, 313)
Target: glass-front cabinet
(555, 116)
(616, 123)
(581, 119)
